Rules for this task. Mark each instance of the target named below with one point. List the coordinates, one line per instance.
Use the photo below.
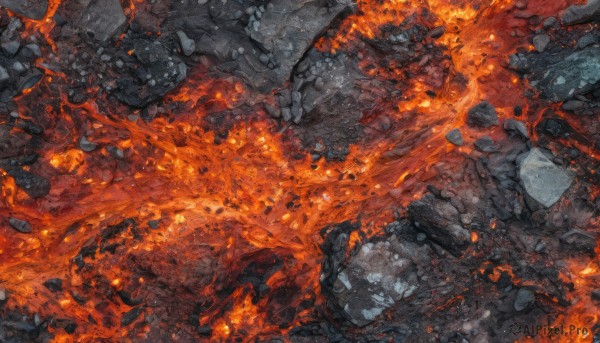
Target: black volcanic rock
(482, 115)
(155, 74)
(288, 28)
(441, 223)
(455, 137)
(259, 44)
(34, 9)
(578, 14)
(54, 285)
(561, 76)
(34, 185)
(20, 225)
(579, 240)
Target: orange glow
(245, 194)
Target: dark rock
(575, 74)
(482, 115)
(587, 40)
(288, 28)
(596, 295)
(437, 32)
(70, 327)
(378, 276)
(30, 79)
(550, 22)
(486, 144)
(20, 225)
(34, 9)
(555, 127)
(127, 299)
(86, 145)
(204, 330)
(157, 73)
(541, 41)
(34, 185)
(55, 285)
(574, 105)
(543, 181)
(274, 112)
(441, 222)
(130, 316)
(516, 127)
(188, 46)
(524, 299)
(4, 76)
(455, 137)
(10, 48)
(34, 49)
(578, 14)
(579, 240)
(103, 19)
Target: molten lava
(243, 205)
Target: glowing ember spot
(474, 237)
(68, 161)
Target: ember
(299, 170)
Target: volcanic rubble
(482, 222)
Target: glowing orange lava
(236, 195)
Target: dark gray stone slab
(578, 73)
(378, 276)
(103, 19)
(288, 28)
(34, 9)
(578, 14)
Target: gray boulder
(578, 73)
(543, 181)
(482, 115)
(578, 14)
(377, 277)
(34, 9)
(541, 41)
(102, 19)
(288, 28)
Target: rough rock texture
(34, 9)
(544, 181)
(455, 137)
(287, 29)
(563, 75)
(482, 115)
(155, 73)
(377, 277)
(578, 14)
(579, 240)
(259, 44)
(102, 19)
(577, 74)
(441, 222)
(485, 144)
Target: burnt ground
(324, 102)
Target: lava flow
(199, 217)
